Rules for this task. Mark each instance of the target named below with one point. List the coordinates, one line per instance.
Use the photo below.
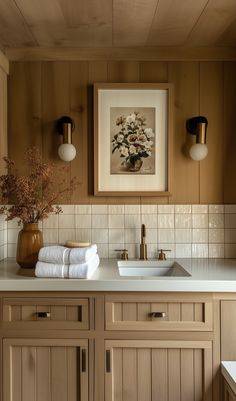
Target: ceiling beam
(145, 53)
(4, 62)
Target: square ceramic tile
(166, 235)
(83, 235)
(83, 221)
(216, 209)
(199, 209)
(183, 250)
(132, 209)
(200, 235)
(133, 250)
(2, 238)
(68, 209)
(230, 220)
(199, 250)
(2, 255)
(12, 236)
(116, 221)
(116, 235)
(216, 220)
(216, 235)
(165, 221)
(11, 250)
(230, 208)
(113, 253)
(200, 220)
(132, 236)
(151, 236)
(13, 223)
(216, 250)
(66, 234)
(100, 235)
(103, 251)
(99, 209)
(66, 221)
(99, 221)
(52, 221)
(132, 221)
(116, 209)
(5, 236)
(150, 220)
(83, 209)
(152, 251)
(50, 236)
(230, 236)
(169, 249)
(183, 221)
(149, 209)
(166, 209)
(182, 209)
(230, 251)
(183, 235)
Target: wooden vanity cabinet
(228, 393)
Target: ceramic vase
(30, 240)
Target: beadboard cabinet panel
(40, 92)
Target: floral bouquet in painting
(133, 140)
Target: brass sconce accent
(198, 126)
(65, 126)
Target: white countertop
(228, 369)
(207, 275)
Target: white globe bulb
(67, 152)
(198, 151)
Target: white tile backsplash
(188, 230)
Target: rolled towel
(61, 255)
(44, 269)
(84, 270)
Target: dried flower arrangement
(32, 197)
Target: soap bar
(76, 244)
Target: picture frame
(133, 131)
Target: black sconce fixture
(65, 126)
(198, 126)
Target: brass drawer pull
(83, 357)
(43, 315)
(157, 315)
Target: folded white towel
(61, 255)
(82, 270)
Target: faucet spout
(143, 245)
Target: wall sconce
(65, 126)
(198, 126)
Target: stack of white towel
(62, 262)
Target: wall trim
(4, 62)
(144, 53)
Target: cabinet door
(158, 370)
(228, 393)
(45, 370)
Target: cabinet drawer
(46, 313)
(145, 312)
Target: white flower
(142, 138)
(124, 151)
(132, 149)
(148, 144)
(149, 133)
(130, 118)
(120, 138)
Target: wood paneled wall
(41, 92)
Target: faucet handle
(124, 255)
(162, 255)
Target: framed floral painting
(132, 139)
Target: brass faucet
(124, 253)
(143, 245)
(162, 255)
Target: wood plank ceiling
(117, 23)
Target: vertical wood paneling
(159, 374)
(187, 375)
(118, 374)
(130, 385)
(43, 374)
(28, 363)
(55, 104)
(41, 92)
(174, 375)
(144, 373)
(59, 374)
(185, 76)
(25, 123)
(3, 119)
(211, 106)
(229, 132)
(16, 374)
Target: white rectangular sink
(153, 268)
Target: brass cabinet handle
(157, 315)
(108, 361)
(43, 315)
